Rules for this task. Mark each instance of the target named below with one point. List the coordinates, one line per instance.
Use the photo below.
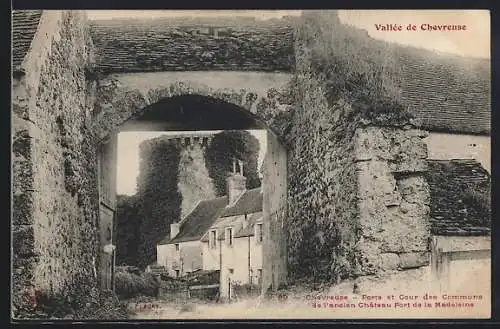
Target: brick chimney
(236, 182)
(174, 229)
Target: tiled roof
(199, 220)
(453, 212)
(248, 203)
(445, 92)
(210, 212)
(172, 45)
(24, 26)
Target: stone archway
(117, 103)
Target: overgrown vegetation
(344, 79)
(104, 306)
(131, 282)
(126, 229)
(352, 66)
(159, 198)
(229, 145)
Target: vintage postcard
(257, 164)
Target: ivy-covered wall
(55, 209)
(159, 196)
(344, 82)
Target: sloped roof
(220, 226)
(137, 45)
(199, 220)
(249, 229)
(209, 212)
(459, 190)
(249, 202)
(24, 27)
(446, 92)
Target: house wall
(237, 258)
(446, 146)
(234, 257)
(187, 259)
(210, 257)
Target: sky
(473, 42)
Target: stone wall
(274, 264)
(356, 188)
(264, 95)
(195, 183)
(393, 199)
(54, 165)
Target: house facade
(223, 234)
(233, 244)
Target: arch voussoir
(121, 102)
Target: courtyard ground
(368, 297)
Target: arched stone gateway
(348, 194)
(125, 97)
(133, 102)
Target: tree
(127, 226)
(160, 200)
(229, 145)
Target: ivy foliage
(159, 198)
(127, 226)
(229, 145)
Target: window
(213, 239)
(259, 276)
(177, 273)
(258, 232)
(231, 271)
(229, 236)
(176, 247)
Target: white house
(223, 234)
(233, 244)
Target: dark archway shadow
(192, 113)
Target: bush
(129, 283)
(102, 306)
(246, 290)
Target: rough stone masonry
(357, 200)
